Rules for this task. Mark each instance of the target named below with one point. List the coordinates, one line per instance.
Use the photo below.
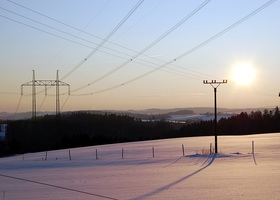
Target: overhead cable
(106, 39)
(149, 46)
(63, 23)
(61, 31)
(82, 31)
(17, 107)
(189, 51)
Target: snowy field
(149, 170)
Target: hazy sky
(133, 54)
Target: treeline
(241, 124)
(84, 129)
(80, 129)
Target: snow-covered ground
(149, 170)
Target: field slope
(156, 169)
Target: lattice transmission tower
(45, 83)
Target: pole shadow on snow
(254, 158)
(156, 191)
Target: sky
(136, 54)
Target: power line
(65, 102)
(150, 11)
(227, 29)
(17, 107)
(84, 45)
(90, 34)
(98, 13)
(61, 31)
(149, 46)
(41, 105)
(38, 29)
(106, 39)
(60, 22)
(82, 38)
(191, 50)
(68, 25)
(94, 49)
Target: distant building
(3, 130)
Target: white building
(3, 130)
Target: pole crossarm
(214, 82)
(46, 83)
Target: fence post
(122, 153)
(96, 154)
(183, 149)
(70, 155)
(46, 156)
(153, 150)
(210, 148)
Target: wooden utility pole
(215, 84)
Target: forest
(77, 129)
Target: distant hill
(146, 114)
(195, 110)
(23, 115)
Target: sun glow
(243, 74)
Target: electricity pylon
(215, 84)
(46, 83)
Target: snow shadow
(254, 158)
(173, 162)
(210, 159)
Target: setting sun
(243, 74)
